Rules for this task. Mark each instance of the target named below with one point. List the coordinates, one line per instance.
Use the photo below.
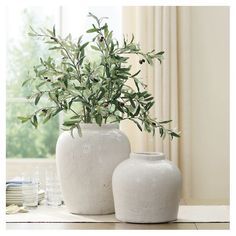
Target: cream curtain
(167, 29)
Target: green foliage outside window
(22, 54)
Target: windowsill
(15, 167)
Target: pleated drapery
(163, 29)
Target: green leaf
(80, 88)
(149, 105)
(68, 37)
(173, 134)
(160, 53)
(50, 32)
(119, 107)
(34, 121)
(165, 122)
(137, 111)
(79, 130)
(136, 84)
(146, 94)
(117, 95)
(31, 34)
(137, 123)
(52, 97)
(54, 31)
(84, 46)
(81, 60)
(105, 26)
(106, 30)
(94, 17)
(132, 102)
(40, 84)
(72, 130)
(70, 122)
(25, 82)
(101, 93)
(161, 131)
(37, 98)
(135, 74)
(24, 119)
(98, 118)
(69, 69)
(47, 118)
(74, 117)
(132, 39)
(149, 99)
(147, 126)
(92, 30)
(79, 40)
(107, 71)
(95, 48)
(112, 47)
(57, 111)
(124, 41)
(55, 48)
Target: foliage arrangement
(95, 92)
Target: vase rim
(96, 126)
(148, 155)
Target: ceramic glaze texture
(85, 166)
(146, 189)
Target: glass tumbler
(53, 189)
(30, 192)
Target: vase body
(85, 166)
(146, 189)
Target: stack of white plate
(14, 195)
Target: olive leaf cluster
(93, 92)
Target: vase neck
(152, 156)
(94, 126)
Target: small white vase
(85, 166)
(146, 189)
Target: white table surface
(187, 214)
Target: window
(23, 52)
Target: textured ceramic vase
(85, 166)
(146, 189)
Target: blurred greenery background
(23, 52)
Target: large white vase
(85, 166)
(146, 189)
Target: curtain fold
(164, 29)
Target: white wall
(210, 103)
